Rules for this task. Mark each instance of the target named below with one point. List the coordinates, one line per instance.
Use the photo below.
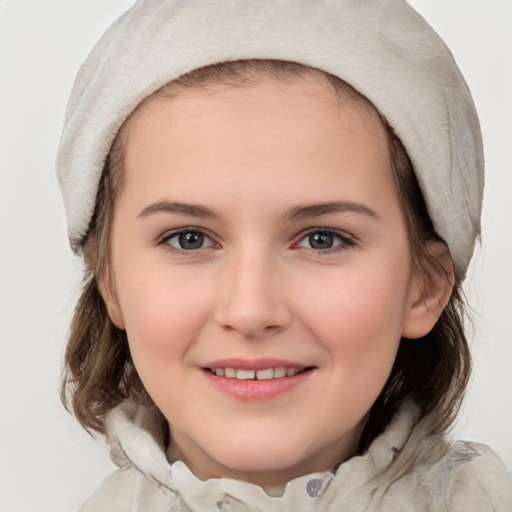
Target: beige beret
(383, 48)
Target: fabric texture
(383, 48)
(404, 470)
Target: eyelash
(165, 239)
(345, 240)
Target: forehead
(310, 98)
(295, 129)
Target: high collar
(136, 438)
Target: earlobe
(430, 292)
(109, 295)
(105, 283)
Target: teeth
(266, 374)
(279, 372)
(230, 373)
(245, 374)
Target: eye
(188, 240)
(324, 239)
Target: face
(261, 268)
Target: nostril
(252, 308)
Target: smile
(279, 372)
(256, 380)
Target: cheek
(162, 316)
(358, 316)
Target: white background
(46, 462)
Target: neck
(272, 480)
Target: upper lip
(253, 364)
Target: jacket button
(313, 487)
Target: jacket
(403, 470)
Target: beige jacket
(403, 471)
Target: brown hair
(99, 372)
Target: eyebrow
(177, 208)
(302, 211)
(315, 210)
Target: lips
(279, 372)
(256, 380)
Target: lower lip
(256, 390)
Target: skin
(255, 156)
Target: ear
(108, 293)
(105, 281)
(430, 291)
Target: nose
(253, 299)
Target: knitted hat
(382, 48)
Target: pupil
(191, 240)
(321, 240)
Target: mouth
(256, 381)
(278, 372)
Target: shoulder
(454, 477)
(129, 490)
(480, 480)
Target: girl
(277, 202)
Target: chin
(267, 458)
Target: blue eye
(325, 239)
(321, 240)
(188, 240)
